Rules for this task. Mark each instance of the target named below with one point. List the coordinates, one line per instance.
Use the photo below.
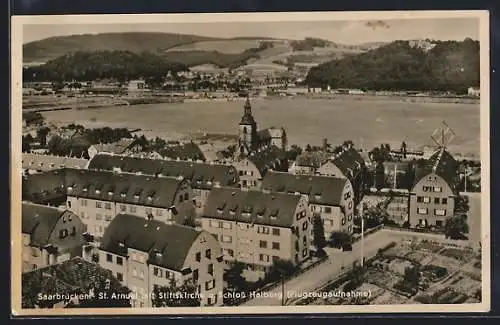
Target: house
(46, 188)
(63, 133)
(307, 163)
(474, 91)
(98, 196)
(41, 162)
(144, 253)
(252, 168)
(329, 197)
(72, 283)
(202, 177)
(121, 147)
(50, 235)
(432, 197)
(189, 151)
(136, 85)
(257, 228)
(349, 164)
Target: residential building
(331, 198)
(258, 228)
(143, 254)
(202, 177)
(188, 151)
(136, 85)
(98, 196)
(474, 91)
(46, 188)
(74, 281)
(33, 162)
(50, 235)
(307, 163)
(121, 147)
(348, 164)
(432, 197)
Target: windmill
(442, 136)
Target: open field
(366, 122)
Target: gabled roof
(187, 151)
(323, 190)
(173, 242)
(266, 159)
(39, 222)
(201, 175)
(123, 187)
(349, 160)
(50, 162)
(442, 164)
(276, 209)
(118, 147)
(312, 159)
(44, 187)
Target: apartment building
(432, 197)
(50, 236)
(257, 228)
(332, 198)
(98, 196)
(145, 253)
(202, 177)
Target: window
(226, 239)
(73, 231)
(426, 188)
(420, 199)
(275, 258)
(155, 271)
(439, 223)
(98, 204)
(226, 225)
(134, 273)
(276, 232)
(241, 173)
(186, 196)
(427, 199)
(119, 276)
(444, 200)
(98, 216)
(198, 257)
(229, 252)
(181, 198)
(107, 205)
(63, 233)
(276, 245)
(69, 204)
(343, 221)
(263, 244)
(263, 230)
(422, 210)
(209, 285)
(349, 217)
(133, 209)
(119, 260)
(437, 200)
(347, 195)
(438, 189)
(82, 215)
(301, 215)
(159, 212)
(210, 269)
(34, 251)
(263, 257)
(195, 275)
(304, 226)
(84, 203)
(142, 274)
(208, 253)
(304, 252)
(439, 212)
(123, 207)
(107, 218)
(149, 211)
(109, 258)
(328, 210)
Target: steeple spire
(248, 107)
(247, 117)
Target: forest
(448, 66)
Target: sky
(347, 32)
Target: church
(251, 140)
(258, 152)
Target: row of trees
(448, 66)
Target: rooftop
(118, 147)
(50, 162)
(442, 164)
(39, 221)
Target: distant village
(188, 213)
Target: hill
(53, 47)
(404, 65)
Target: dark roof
(276, 209)
(323, 190)
(442, 164)
(312, 159)
(73, 276)
(44, 187)
(172, 241)
(39, 221)
(116, 147)
(265, 159)
(198, 173)
(50, 162)
(187, 151)
(123, 187)
(349, 160)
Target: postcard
(250, 163)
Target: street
(474, 217)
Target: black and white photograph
(331, 162)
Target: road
(474, 217)
(321, 274)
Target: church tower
(247, 130)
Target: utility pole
(362, 234)
(282, 289)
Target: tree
(107, 293)
(174, 295)
(293, 152)
(461, 204)
(234, 277)
(380, 182)
(412, 276)
(281, 268)
(41, 135)
(340, 239)
(357, 277)
(319, 234)
(455, 227)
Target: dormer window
(85, 189)
(136, 196)
(97, 191)
(121, 244)
(209, 183)
(150, 198)
(317, 196)
(70, 188)
(232, 212)
(123, 194)
(110, 193)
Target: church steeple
(247, 131)
(247, 118)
